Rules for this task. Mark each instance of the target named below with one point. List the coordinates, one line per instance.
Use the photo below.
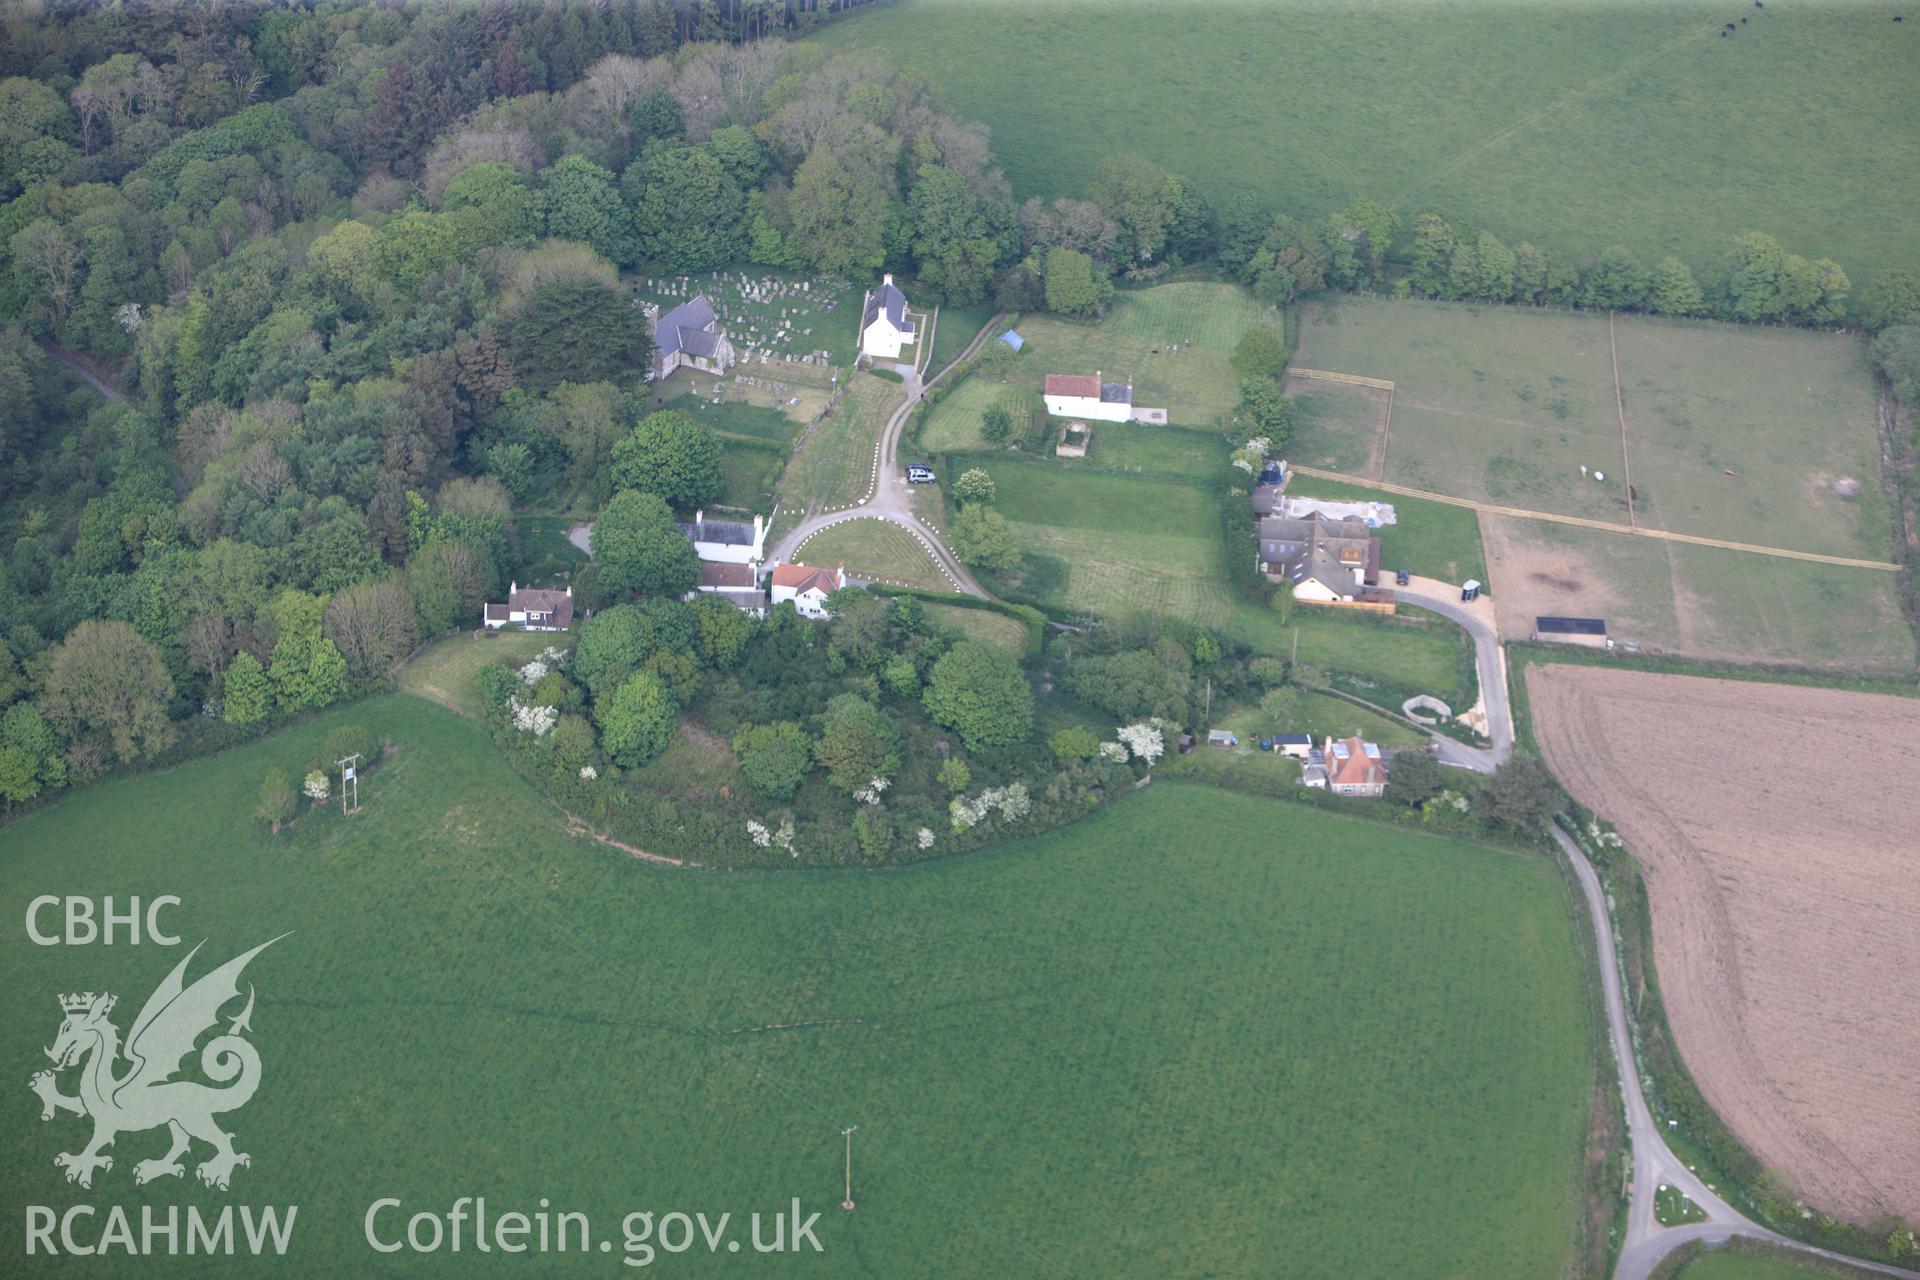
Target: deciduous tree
(107, 682)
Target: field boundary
(1377, 455)
(1620, 411)
(1353, 379)
(1604, 526)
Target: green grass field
(446, 671)
(1430, 657)
(953, 330)
(1723, 1264)
(834, 464)
(1112, 544)
(1505, 404)
(954, 423)
(1338, 1016)
(1195, 384)
(1571, 126)
(1335, 427)
(874, 548)
(982, 624)
(1319, 714)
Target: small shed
(1221, 738)
(1013, 339)
(1314, 776)
(1591, 632)
(1470, 589)
(1297, 745)
(1075, 438)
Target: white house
(1071, 395)
(883, 322)
(536, 609)
(727, 541)
(689, 336)
(807, 587)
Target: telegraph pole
(848, 1135)
(349, 784)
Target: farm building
(727, 541)
(1354, 767)
(1591, 632)
(1072, 395)
(1327, 561)
(1074, 439)
(884, 327)
(689, 337)
(736, 583)
(533, 608)
(807, 587)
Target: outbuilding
(1591, 632)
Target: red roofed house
(536, 609)
(1354, 767)
(807, 587)
(1075, 396)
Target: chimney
(569, 591)
(887, 278)
(840, 578)
(512, 589)
(758, 525)
(699, 516)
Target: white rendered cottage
(535, 609)
(883, 322)
(1076, 396)
(807, 587)
(727, 541)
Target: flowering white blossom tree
(759, 834)
(317, 787)
(1011, 802)
(534, 672)
(1114, 751)
(588, 772)
(1144, 741)
(925, 837)
(871, 793)
(1249, 456)
(533, 720)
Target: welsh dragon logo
(146, 1095)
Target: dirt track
(1779, 829)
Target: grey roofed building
(732, 533)
(1341, 556)
(690, 335)
(1570, 626)
(895, 303)
(689, 328)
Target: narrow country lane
(1647, 1242)
(892, 495)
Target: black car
(920, 473)
(1400, 578)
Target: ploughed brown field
(1779, 831)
